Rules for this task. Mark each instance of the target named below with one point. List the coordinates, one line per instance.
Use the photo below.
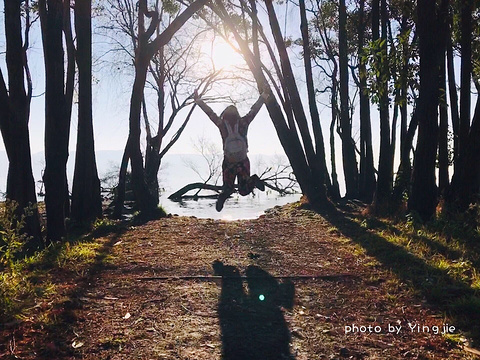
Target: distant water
(236, 207)
(176, 171)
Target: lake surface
(176, 172)
(236, 207)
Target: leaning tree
(284, 102)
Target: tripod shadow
(252, 324)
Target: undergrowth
(27, 280)
(440, 260)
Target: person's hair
(230, 114)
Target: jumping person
(233, 130)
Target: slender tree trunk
(312, 101)
(153, 158)
(335, 191)
(57, 122)
(385, 175)
(86, 197)
(402, 180)
(14, 117)
(452, 92)
(144, 201)
(466, 178)
(121, 187)
(467, 183)
(443, 177)
(465, 78)
(297, 106)
(288, 137)
(367, 180)
(348, 145)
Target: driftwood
(179, 195)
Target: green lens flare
(261, 297)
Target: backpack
(235, 148)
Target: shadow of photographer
(252, 323)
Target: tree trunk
(465, 78)
(465, 179)
(296, 102)
(443, 177)
(305, 172)
(312, 101)
(402, 180)
(335, 190)
(144, 53)
(423, 197)
(14, 117)
(86, 197)
(467, 183)
(367, 180)
(385, 174)
(57, 122)
(119, 199)
(452, 92)
(348, 145)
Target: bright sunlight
(222, 55)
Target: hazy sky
(111, 106)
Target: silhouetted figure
(252, 325)
(233, 129)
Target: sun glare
(222, 55)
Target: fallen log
(179, 195)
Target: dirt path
(118, 314)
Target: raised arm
(254, 110)
(207, 110)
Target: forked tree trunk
(14, 116)
(423, 197)
(145, 51)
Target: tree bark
(312, 101)
(57, 120)
(465, 181)
(385, 165)
(348, 146)
(367, 181)
(443, 177)
(423, 197)
(465, 78)
(86, 197)
(452, 92)
(14, 118)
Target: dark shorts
(242, 171)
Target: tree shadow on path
(442, 290)
(252, 323)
